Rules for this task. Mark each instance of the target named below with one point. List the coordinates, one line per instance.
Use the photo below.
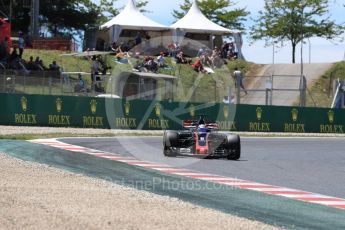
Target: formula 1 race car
(200, 138)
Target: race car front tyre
(233, 147)
(170, 140)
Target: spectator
(205, 60)
(215, 58)
(225, 49)
(201, 52)
(81, 85)
(39, 64)
(14, 54)
(150, 64)
(21, 44)
(198, 67)
(232, 55)
(238, 80)
(181, 59)
(161, 60)
(54, 66)
(31, 64)
(103, 66)
(172, 49)
(114, 47)
(14, 59)
(121, 56)
(94, 68)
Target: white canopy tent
(130, 18)
(196, 22)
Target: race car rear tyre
(233, 146)
(170, 140)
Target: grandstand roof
(132, 18)
(195, 21)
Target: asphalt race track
(311, 164)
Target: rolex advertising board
(62, 111)
(89, 112)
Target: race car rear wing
(192, 124)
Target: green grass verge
(321, 93)
(211, 88)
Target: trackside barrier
(70, 111)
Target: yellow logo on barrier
(294, 114)
(93, 106)
(259, 113)
(226, 111)
(330, 116)
(192, 111)
(127, 107)
(158, 109)
(24, 103)
(58, 103)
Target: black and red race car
(200, 138)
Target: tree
(218, 12)
(293, 20)
(19, 15)
(64, 17)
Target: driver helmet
(202, 128)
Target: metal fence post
(50, 85)
(271, 96)
(24, 83)
(303, 88)
(14, 83)
(238, 88)
(4, 82)
(43, 80)
(61, 84)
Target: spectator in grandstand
(94, 68)
(14, 59)
(232, 54)
(121, 56)
(21, 44)
(225, 49)
(216, 58)
(114, 47)
(30, 65)
(39, 64)
(238, 79)
(81, 85)
(181, 59)
(172, 49)
(205, 59)
(161, 60)
(198, 67)
(201, 52)
(54, 66)
(103, 66)
(150, 64)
